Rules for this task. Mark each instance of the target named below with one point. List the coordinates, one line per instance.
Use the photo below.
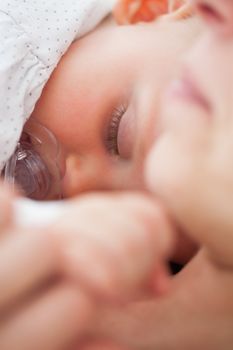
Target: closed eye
(113, 128)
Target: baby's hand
(134, 11)
(38, 308)
(131, 11)
(113, 243)
(176, 4)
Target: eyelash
(111, 142)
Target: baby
(113, 138)
(189, 170)
(103, 276)
(109, 127)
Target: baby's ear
(134, 11)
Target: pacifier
(35, 167)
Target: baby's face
(191, 164)
(102, 101)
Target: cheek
(221, 159)
(70, 136)
(189, 122)
(77, 131)
(171, 167)
(173, 160)
(160, 166)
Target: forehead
(130, 47)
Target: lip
(186, 89)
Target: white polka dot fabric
(34, 35)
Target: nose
(218, 14)
(84, 174)
(93, 174)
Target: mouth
(186, 90)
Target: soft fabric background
(34, 36)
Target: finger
(160, 281)
(131, 11)
(26, 261)
(115, 251)
(50, 323)
(173, 5)
(180, 12)
(146, 246)
(200, 290)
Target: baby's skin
(109, 127)
(189, 170)
(103, 250)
